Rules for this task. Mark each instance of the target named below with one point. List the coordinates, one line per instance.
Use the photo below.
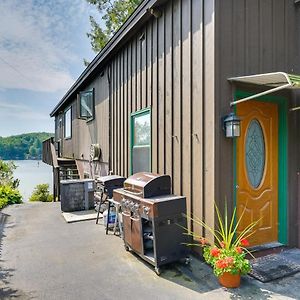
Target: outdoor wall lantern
(231, 125)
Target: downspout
(109, 118)
(203, 118)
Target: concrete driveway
(42, 257)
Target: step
(68, 166)
(69, 177)
(69, 170)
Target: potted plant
(227, 252)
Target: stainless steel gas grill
(152, 219)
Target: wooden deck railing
(49, 157)
(49, 154)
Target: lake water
(31, 173)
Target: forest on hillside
(23, 146)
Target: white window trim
(65, 122)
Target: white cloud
(35, 43)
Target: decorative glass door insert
(255, 153)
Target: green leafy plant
(41, 193)
(23, 146)
(113, 15)
(226, 253)
(9, 195)
(7, 174)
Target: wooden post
(58, 184)
(54, 188)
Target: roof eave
(140, 15)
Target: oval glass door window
(255, 153)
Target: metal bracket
(176, 137)
(278, 88)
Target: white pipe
(261, 94)
(294, 108)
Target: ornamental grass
(227, 251)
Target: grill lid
(111, 180)
(148, 185)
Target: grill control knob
(127, 203)
(136, 206)
(146, 210)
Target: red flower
(224, 263)
(221, 264)
(244, 242)
(214, 252)
(229, 260)
(239, 250)
(222, 244)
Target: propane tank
(111, 219)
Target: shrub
(7, 174)
(9, 195)
(41, 193)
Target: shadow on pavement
(5, 274)
(199, 277)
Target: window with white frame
(68, 123)
(86, 105)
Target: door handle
(237, 186)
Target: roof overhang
(276, 81)
(134, 22)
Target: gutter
(139, 16)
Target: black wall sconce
(232, 125)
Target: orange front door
(257, 169)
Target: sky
(42, 47)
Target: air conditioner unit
(77, 194)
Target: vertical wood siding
(93, 132)
(162, 68)
(197, 111)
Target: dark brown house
(155, 97)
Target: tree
(7, 174)
(115, 13)
(23, 146)
(33, 151)
(8, 185)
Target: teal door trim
(139, 113)
(282, 161)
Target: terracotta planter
(229, 280)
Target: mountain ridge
(23, 146)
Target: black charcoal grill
(153, 219)
(105, 186)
